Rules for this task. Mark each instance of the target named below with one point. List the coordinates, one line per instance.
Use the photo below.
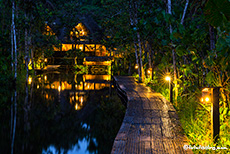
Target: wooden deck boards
(150, 125)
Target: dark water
(60, 112)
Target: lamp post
(211, 95)
(149, 72)
(168, 78)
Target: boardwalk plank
(150, 125)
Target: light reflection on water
(63, 115)
(81, 148)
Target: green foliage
(196, 122)
(197, 66)
(217, 12)
(75, 53)
(81, 69)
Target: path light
(76, 107)
(45, 77)
(45, 60)
(29, 80)
(149, 71)
(136, 66)
(211, 96)
(206, 95)
(168, 78)
(59, 88)
(81, 99)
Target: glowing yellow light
(76, 107)
(206, 95)
(104, 63)
(29, 80)
(30, 62)
(37, 86)
(45, 77)
(81, 99)
(63, 87)
(47, 96)
(59, 88)
(207, 99)
(45, 60)
(205, 90)
(167, 78)
(53, 86)
(136, 66)
(149, 71)
(81, 48)
(202, 99)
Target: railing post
(215, 114)
(171, 92)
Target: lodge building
(84, 37)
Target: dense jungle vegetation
(189, 40)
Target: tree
(13, 43)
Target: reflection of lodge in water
(79, 45)
(76, 90)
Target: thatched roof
(62, 30)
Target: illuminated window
(90, 47)
(79, 31)
(48, 31)
(66, 47)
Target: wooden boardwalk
(150, 124)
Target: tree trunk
(130, 65)
(140, 56)
(137, 60)
(133, 22)
(14, 70)
(175, 75)
(31, 51)
(170, 12)
(13, 119)
(149, 55)
(26, 58)
(12, 48)
(173, 55)
(14, 44)
(212, 38)
(184, 12)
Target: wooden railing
(121, 93)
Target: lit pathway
(150, 124)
